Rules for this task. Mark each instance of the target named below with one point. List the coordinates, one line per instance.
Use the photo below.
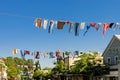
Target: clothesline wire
(16, 15)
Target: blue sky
(17, 29)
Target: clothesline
(39, 22)
(15, 15)
(51, 54)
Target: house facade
(111, 57)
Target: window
(109, 60)
(115, 59)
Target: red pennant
(92, 24)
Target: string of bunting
(39, 22)
(37, 54)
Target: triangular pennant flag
(111, 24)
(98, 26)
(88, 27)
(92, 24)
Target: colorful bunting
(26, 52)
(15, 51)
(38, 22)
(60, 24)
(37, 55)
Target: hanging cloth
(26, 52)
(51, 26)
(105, 27)
(51, 55)
(22, 54)
(111, 24)
(98, 26)
(60, 24)
(71, 26)
(45, 24)
(67, 53)
(37, 55)
(38, 22)
(82, 25)
(15, 51)
(116, 26)
(76, 53)
(67, 22)
(88, 27)
(57, 53)
(76, 29)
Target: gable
(113, 47)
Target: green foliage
(37, 73)
(59, 67)
(14, 66)
(88, 64)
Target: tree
(90, 64)
(59, 67)
(12, 69)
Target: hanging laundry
(60, 24)
(45, 54)
(82, 25)
(98, 26)
(76, 53)
(92, 24)
(38, 22)
(22, 54)
(57, 53)
(76, 29)
(111, 24)
(59, 58)
(26, 52)
(116, 26)
(67, 53)
(51, 26)
(45, 24)
(67, 22)
(88, 27)
(37, 55)
(105, 27)
(51, 55)
(71, 26)
(15, 51)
